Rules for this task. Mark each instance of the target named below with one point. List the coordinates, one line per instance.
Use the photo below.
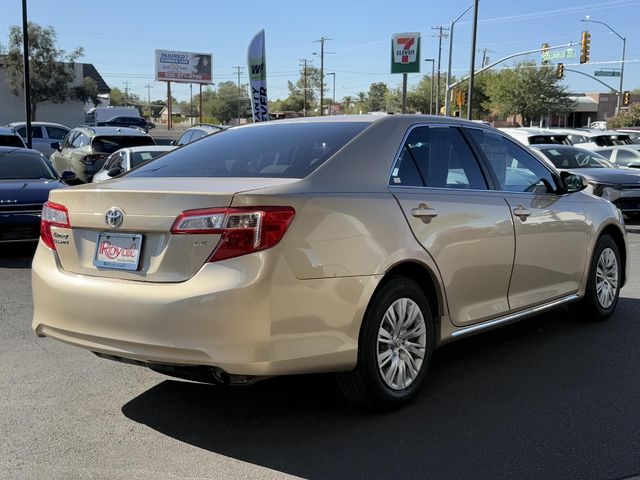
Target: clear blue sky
(119, 37)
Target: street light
(624, 47)
(433, 71)
(447, 99)
(333, 74)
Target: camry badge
(114, 217)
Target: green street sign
(405, 53)
(562, 54)
(607, 73)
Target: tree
(528, 91)
(87, 92)
(295, 101)
(376, 98)
(223, 103)
(626, 118)
(52, 70)
(118, 98)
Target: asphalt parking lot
(550, 397)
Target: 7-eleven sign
(405, 53)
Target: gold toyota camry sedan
(352, 244)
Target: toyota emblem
(114, 217)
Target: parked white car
(536, 136)
(43, 134)
(623, 156)
(127, 158)
(592, 139)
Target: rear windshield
(11, 141)
(108, 144)
(289, 150)
(554, 139)
(138, 158)
(24, 165)
(612, 140)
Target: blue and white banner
(257, 64)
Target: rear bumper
(247, 316)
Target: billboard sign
(187, 67)
(257, 64)
(405, 53)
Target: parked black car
(9, 138)
(26, 178)
(122, 121)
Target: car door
(60, 158)
(53, 134)
(465, 227)
(550, 227)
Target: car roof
(531, 131)
(4, 149)
(38, 124)
(149, 148)
(7, 131)
(114, 131)
(591, 132)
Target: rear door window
(185, 138)
(11, 141)
(56, 133)
(437, 157)
(286, 150)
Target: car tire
(391, 364)
(603, 286)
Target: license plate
(118, 251)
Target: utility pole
(472, 68)
(238, 70)
(191, 103)
(484, 57)
(433, 62)
(447, 99)
(148, 87)
(321, 40)
(304, 83)
(27, 83)
(440, 36)
(126, 92)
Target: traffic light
(464, 98)
(626, 98)
(545, 53)
(585, 46)
(560, 71)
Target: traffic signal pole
(497, 62)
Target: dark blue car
(26, 178)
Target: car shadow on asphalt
(18, 255)
(537, 399)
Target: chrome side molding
(512, 317)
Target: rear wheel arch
(425, 278)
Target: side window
(185, 138)
(80, 141)
(111, 161)
(625, 157)
(68, 140)
(516, 169)
(197, 134)
(437, 157)
(56, 133)
(36, 132)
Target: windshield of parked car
(24, 164)
(611, 140)
(109, 144)
(286, 150)
(138, 158)
(574, 158)
(554, 139)
(11, 141)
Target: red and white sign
(118, 251)
(405, 47)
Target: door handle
(521, 212)
(424, 212)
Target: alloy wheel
(607, 278)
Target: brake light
(54, 215)
(91, 159)
(243, 229)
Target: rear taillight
(93, 158)
(53, 215)
(243, 230)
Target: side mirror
(55, 146)
(172, 142)
(67, 176)
(114, 172)
(573, 183)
